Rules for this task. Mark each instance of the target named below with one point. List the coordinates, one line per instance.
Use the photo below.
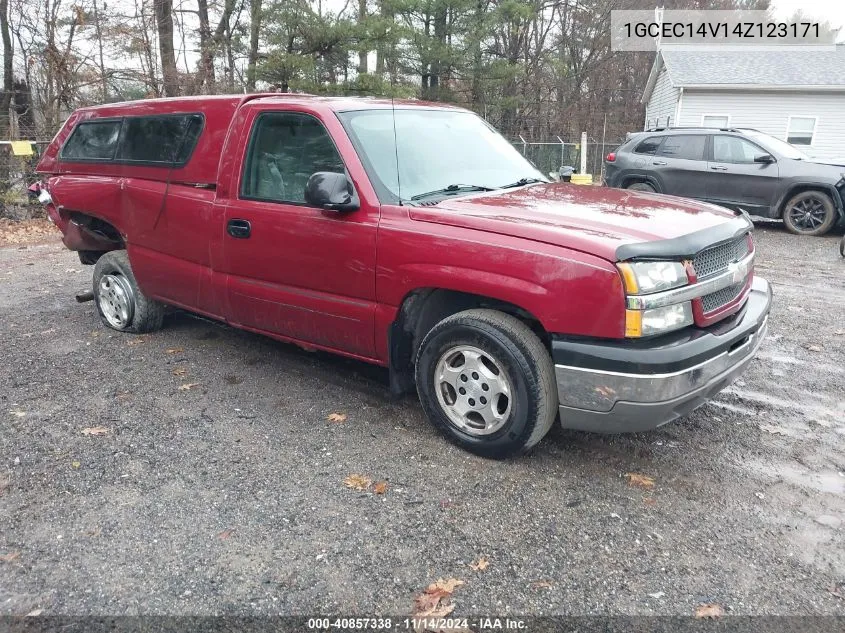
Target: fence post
(583, 152)
(524, 144)
(562, 150)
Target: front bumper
(625, 386)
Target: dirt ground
(196, 471)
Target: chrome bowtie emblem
(737, 272)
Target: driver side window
(285, 148)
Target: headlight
(658, 320)
(646, 277)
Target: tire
(120, 302)
(641, 186)
(89, 258)
(809, 213)
(524, 400)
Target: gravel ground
(219, 484)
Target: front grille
(716, 300)
(714, 260)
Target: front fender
(793, 186)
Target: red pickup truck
(413, 236)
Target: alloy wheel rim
(473, 390)
(116, 300)
(808, 213)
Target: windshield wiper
(521, 182)
(451, 189)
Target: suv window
(649, 146)
(285, 148)
(689, 147)
(167, 139)
(92, 140)
(732, 149)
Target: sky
(832, 11)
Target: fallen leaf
(640, 480)
(380, 488)
(657, 595)
(813, 347)
(180, 371)
(357, 482)
(445, 584)
(435, 600)
(95, 430)
(541, 584)
(8, 558)
(136, 341)
(709, 611)
(837, 590)
(481, 564)
(225, 534)
(188, 386)
(17, 413)
(174, 350)
(649, 501)
(75, 464)
(336, 417)
(773, 429)
(34, 613)
(123, 395)
(839, 332)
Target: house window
(800, 130)
(715, 120)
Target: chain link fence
(17, 173)
(550, 156)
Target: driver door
(293, 270)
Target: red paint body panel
(593, 220)
(335, 281)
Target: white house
(795, 94)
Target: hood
(835, 163)
(595, 220)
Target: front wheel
(809, 213)
(120, 302)
(487, 382)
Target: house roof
(785, 68)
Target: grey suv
(738, 168)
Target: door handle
(718, 168)
(239, 229)
(659, 162)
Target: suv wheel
(641, 186)
(809, 213)
(120, 302)
(487, 382)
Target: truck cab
(413, 236)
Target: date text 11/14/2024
(416, 624)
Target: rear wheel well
(627, 181)
(424, 308)
(100, 232)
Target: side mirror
(331, 191)
(764, 158)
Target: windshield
(439, 152)
(776, 145)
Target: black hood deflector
(686, 246)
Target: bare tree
(164, 26)
(252, 56)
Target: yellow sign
(22, 148)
